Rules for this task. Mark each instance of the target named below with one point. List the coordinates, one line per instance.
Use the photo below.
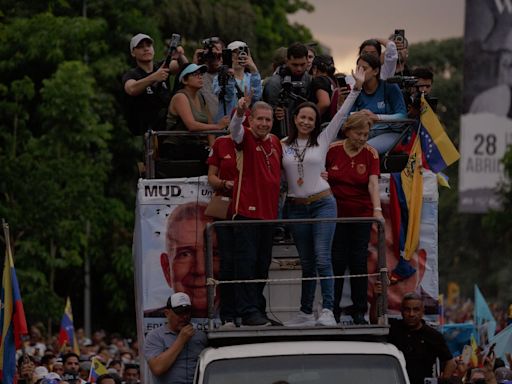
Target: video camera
(208, 54)
(403, 81)
(173, 45)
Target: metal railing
(211, 283)
(151, 145)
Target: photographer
(402, 46)
(210, 56)
(297, 83)
(232, 81)
(146, 87)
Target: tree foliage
(67, 159)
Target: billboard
(486, 123)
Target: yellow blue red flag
(67, 334)
(406, 199)
(12, 317)
(438, 150)
(97, 369)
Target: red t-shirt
(223, 156)
(261, 177)
(349, 177)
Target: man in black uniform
(146, 86)
(420, 343)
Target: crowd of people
(304, 143)
(282, 134)
(43, 360)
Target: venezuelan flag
(438, 150)
(12, 317)
(97, 369)
(67, 330)
(407, 191)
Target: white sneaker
(326, 318)
(301, 320)
(228, 325)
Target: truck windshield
(306, 369)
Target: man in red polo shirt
(255, 196)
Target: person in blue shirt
(243, 75)
(382, 102)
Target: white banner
(486, 125)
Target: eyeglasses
(197, 74)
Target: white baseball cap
(236, 44)
(137, 39)
(179, 300)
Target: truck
(276, 354)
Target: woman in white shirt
(309, 196)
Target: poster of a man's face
(184, 259)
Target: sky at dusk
(343, 25)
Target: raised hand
(358, 77)
(244, 103)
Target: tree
(67, 159)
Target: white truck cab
(302, 362)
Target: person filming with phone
(172, 349)
(242, 76)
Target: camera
(208, 46)
(399, 36)
(430, 380)
(403, 81)
(173, 44)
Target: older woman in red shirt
(353, 168)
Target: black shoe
(256, 321)
(359, 319)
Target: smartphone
(400, 32)
(342, 82)
(227, 58)
(466, 354)
(243, 51)
(399, 35)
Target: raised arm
(161, 363)
(339, 118)
(235, 127)
(136, 87)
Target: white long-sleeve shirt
(314, 157)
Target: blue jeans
(313, 242)
(252, 258)
(350, 249)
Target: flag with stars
(438, 150)
(67, 330)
